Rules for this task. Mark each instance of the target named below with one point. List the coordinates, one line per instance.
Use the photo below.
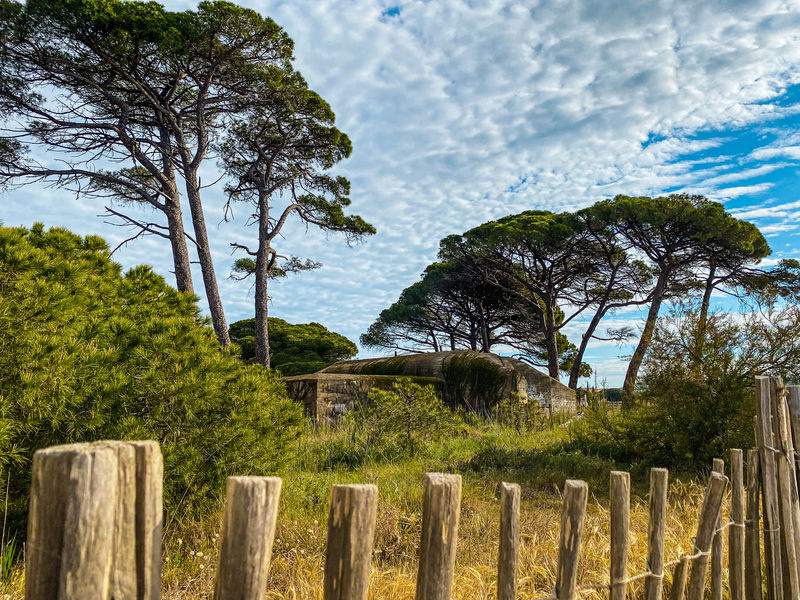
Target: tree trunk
(262, 305)
(575, 371)
(484, 330)
(180, 252)
(262, 279)
(702, 317)
(206, 261)
(172, 209)
(644, 341)
(552, 344)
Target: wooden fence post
(716, 544)
(791, 583)
(736, 531)
(705, 533)
(71, 522)
(655, 547)
(441, 504)
(351, 530)
(769, 489)
(149, 517)
(679, 577)
(793, 404)
(248, 530)
(573, 514)
(508, 555)
(620, 494)
(752, 558)
(789, 503)
(136, 559)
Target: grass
(484, 457)
(484, 454)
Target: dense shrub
(474, 382)
(690, 408)
(393, 424)
(88, 353)
(295, 349)
(521, 414)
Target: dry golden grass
(297, 567)
(296, 571)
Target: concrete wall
(326, 396)
(331, 391)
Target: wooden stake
(791, 583)
(620, 494)
(136, 562)
(248, 530)
(787, 462)
(509, 542)
(149, 518)
(705, 534)
(736, 532)
(572, 517)
(655, 547)
(71, 522)
(752, 561)
(441, 504)
(351, 531)
(716, 544)
(678, 590)
(769, 489)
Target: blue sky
(461, 112)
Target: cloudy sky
(461, 112)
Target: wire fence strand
(634, 578)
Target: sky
(461, 112)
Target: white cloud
(775, 152)
(464, 111)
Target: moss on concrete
(475, 382)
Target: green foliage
(88, 353)
(520, 414)
(393, 424)
(688, 411)
(296, 349)
(409, 416)
(474, 382)
(9, 554)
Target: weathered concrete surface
(325, 396)
(473, 379)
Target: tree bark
(180, 252)
(206, 261)
(552, 345)
(575, 371)
(262, 279)
(172, 209)
(702, 317)
(644, 341)
(485, 345)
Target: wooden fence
(95, 516)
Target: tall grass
(484, 453)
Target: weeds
(485, 452)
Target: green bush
(88, 353)
(393, 424)
(690, 408)
(294, 349)
(521, 414)
(473, 382)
